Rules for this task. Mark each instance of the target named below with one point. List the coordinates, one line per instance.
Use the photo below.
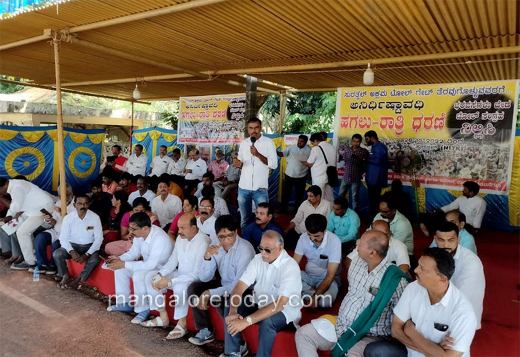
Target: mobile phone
(156, 278)
(441, 327)
(44, 211)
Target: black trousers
(374, 193)
(299, 185)
(201, 317)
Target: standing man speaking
(257, 154)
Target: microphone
(253, 140)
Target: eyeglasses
(385, 212)
(132, 229)
(267, 250)
(227, 236)
(205, 207)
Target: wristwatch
(249, 320)
(170, 284)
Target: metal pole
(131, 129)
(59, 123)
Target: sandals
(150, 323)
(177, 332)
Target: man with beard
(376, 170)
(466, 239)
(126, 184)
(80, 238)
(142, 191)
(355, 157)
(263, 222)
(469, 272)
(206, 221)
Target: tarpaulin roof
(184, 48)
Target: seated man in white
(81, 236)
(399, 224)
(469, 273)
(150, 250)
(374, 288)
(166, 206)
(397, 252)
(220, 204)
(207, 219)
(322, 275)
(231, 258)
(142, 191)
(432, 318)
(208, 179)
(276, 297)
(177, 274)
(466, 239)
(313, 204)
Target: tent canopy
(200, 47)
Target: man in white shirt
(81, 236)
(399, 225)
(150, 250)
(295, 172)
(161, 162)
(136, 163)
(176, 168)
(257, 154)
(208, 179)
(230, 257)
(276, 297)
(177, 274)
(322, 156)
(28, 200)
(469, 273)
(142, 191)
(206, 221)
(313, 204)
(397, 252)
(221, 207)
(195, 168)
(473, 207)
(322, 276)
(432, 318)
(166, 206)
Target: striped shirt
(363, 287)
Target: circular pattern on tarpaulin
(85, 157)
(25, 158)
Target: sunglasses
(267, 250)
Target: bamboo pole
(131, 129)
(283, 104)
(59, 122)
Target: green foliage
(306, 113)
(7, 88)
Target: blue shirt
(346, 227)
(231, 265)
(253, 233)
(466, 240)
(377, 168)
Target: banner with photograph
(445, 134)
(215, 119)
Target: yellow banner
(444, 133)
(212, 119)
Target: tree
(307, 112)
(8, 88)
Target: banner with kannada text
(444, 133)
(216, 119)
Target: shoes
(42, 269)
(5, 255)
(243, 352)
(14, 260)
(141, 317)
(203, 337)
(121, 307)
(22, 266)
(51, 271)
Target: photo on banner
(444, 134)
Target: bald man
(366, 272)
(397, 251)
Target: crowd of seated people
(261, 273)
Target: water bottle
(36, 274)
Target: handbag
(332, 171)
